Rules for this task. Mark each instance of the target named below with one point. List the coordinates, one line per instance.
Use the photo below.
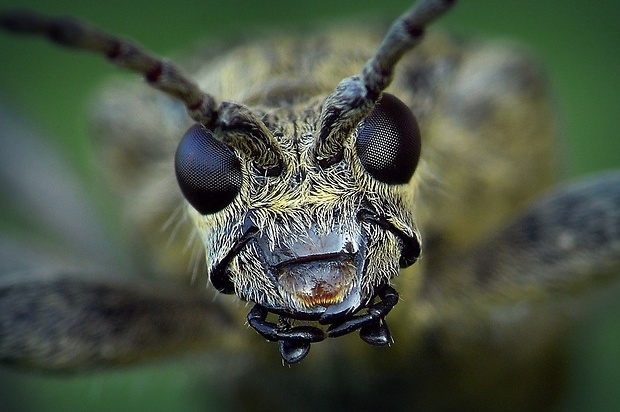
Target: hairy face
(314, 240)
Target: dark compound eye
(208, 171)
(388, 141)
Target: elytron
(304, 189)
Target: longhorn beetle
(297, 234)
(309, 193)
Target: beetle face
(314, 241)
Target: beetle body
(458, 134)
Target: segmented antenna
(356, 96)
(159, 73)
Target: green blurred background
(578, 41)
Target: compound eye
(388, 141)
(208, 171)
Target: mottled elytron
(305, 195)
